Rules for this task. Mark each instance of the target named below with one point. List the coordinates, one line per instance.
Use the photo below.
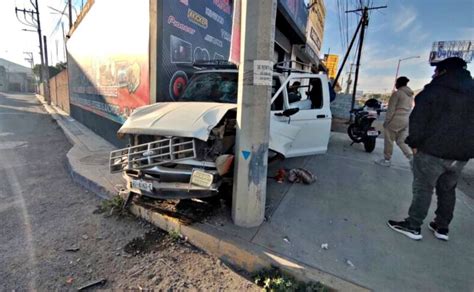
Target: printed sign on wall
(193, 31)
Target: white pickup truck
(185, 149)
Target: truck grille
(151, 154)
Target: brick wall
(59, 91)
(341, 106)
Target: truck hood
(182, 119)
(196, 120)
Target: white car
(185, 149)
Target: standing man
(396, 121)
(442, 139)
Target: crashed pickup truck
(185, 149)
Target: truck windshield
(212, 87)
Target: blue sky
(406, 28)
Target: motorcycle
(361, 130)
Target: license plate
(202, 179)
(372, 133)
(142, 185)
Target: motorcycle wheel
(369, 144)
(352, 135)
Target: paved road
(42, 213)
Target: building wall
(315, 27)
(59, 91)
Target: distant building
(315, 27)
(16, 78)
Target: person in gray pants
(441, 135)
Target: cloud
(404, 19)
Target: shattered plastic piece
(350, 264)
(92, 284)
(280, 176)
(73, 248)
(69, 280)
(325, 246)
(85, 237)
(298, 175)
(286, 239)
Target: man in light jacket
(396, 121)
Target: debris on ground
(275, 280)
(94, 283)
(350, 264)
(325, 246)
(72, 248)
(301, 175)
(69, 280)
(151, 241)
(286, 239)
(280, 175)
(85, 237)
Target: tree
(53, 71)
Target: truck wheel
(369, 144)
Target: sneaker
(439, 233)
(383, 162)
(404, 228)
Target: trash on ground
(72, 248)
(69, 280)
(301, 175)
(325, 246)
(350, 264)
(85, 237)
(100, 282)
(286, 239)
(280, 175)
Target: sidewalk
(346, 208)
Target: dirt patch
(186, 211)
(151, 241)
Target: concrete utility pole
(31, 18)
(253, 112)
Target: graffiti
(172, 20)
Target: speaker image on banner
(201, 55)
(177, 84)
(181, 50)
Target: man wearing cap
(442, 138)
(396, 121)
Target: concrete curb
(250, 257)
(93, 186)
(231, 249)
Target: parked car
(185, 149)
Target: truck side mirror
(288, 113)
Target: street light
(398, 66)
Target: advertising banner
(192, 31)
(447, 49)
(108, 59)
(331, 62)
(296, 10)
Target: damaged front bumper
(166, 169)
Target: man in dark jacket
(442, 138)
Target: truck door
(310, 94)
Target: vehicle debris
(350, 264)
(301, 175)
(91, 284)
(286, 239)
(72, 248)
(325, 246)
